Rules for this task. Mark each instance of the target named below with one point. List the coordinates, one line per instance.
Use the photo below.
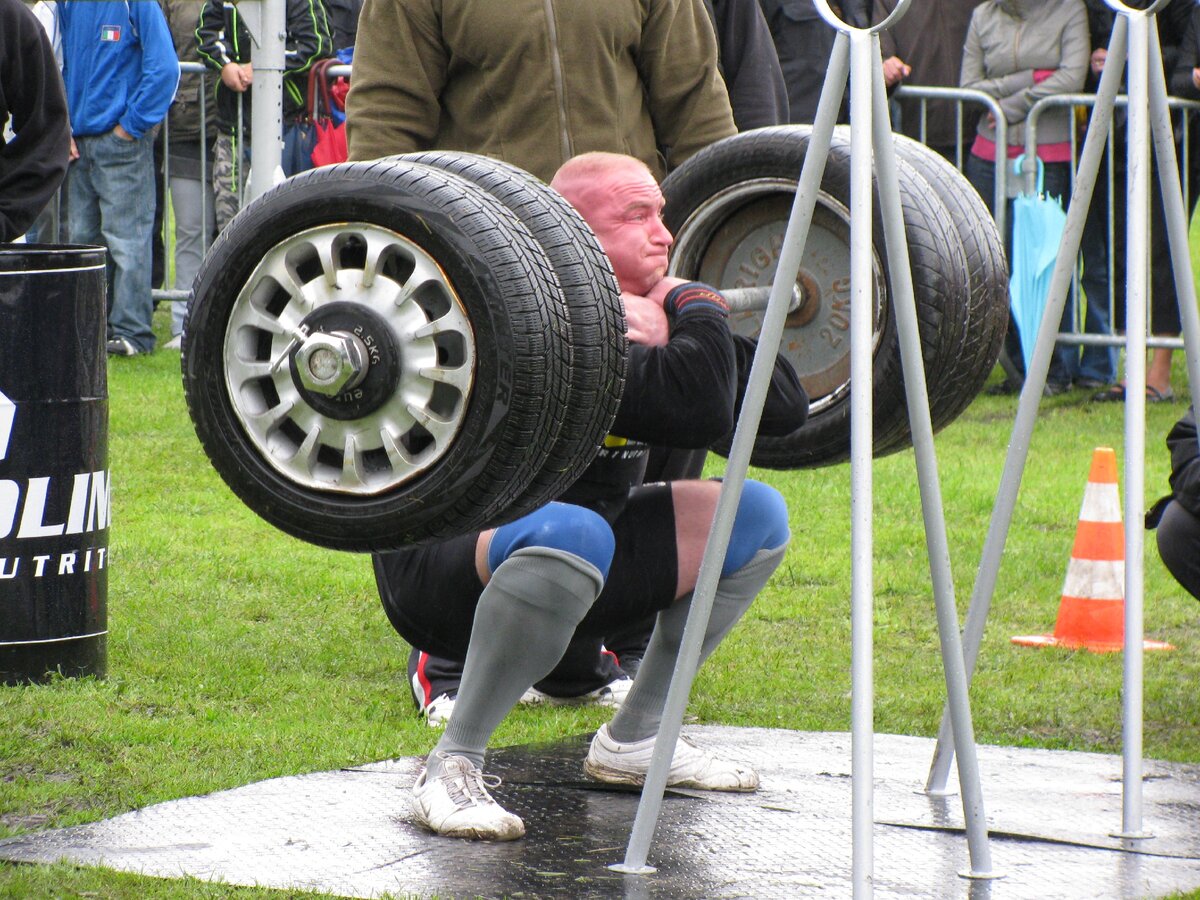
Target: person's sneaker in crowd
(1055, 388)
(175, 343)
(437, 711)
(616, 763)
(120, 346)
(456, 803)
(611, 695)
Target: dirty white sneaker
(175, 343)
(437, 713)
(611, 695)
(617, 763)
(457, 804)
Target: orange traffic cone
(1092, 612)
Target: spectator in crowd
(565, 568)
(1173, 21)
(423, 79)
(748, 64)
(595, 76)
(924, 49)
(1177, 515)
(804, 42)
(34, 162)
(1020, 51)
(224, 46)
(343, 22)
(120, 72)
(191, 132)
(1184, 81)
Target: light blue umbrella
(1038, 223)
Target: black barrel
(54, 483)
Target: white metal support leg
(1031, 395)
(937, 543)
(770, 338)
(868, 105)
(1134, 42)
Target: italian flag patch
(110, 33)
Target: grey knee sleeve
(523, 623)
(641, 714)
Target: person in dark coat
(1172, 23)
(34, 163)
(804, 42)
(1177, 515)
(925, 48)
(748, 62)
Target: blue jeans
(1056, 183)
(111, 202)
(1096, 363)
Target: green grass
(237, 653)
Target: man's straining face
(624, 207)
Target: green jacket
(535, 82)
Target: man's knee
(557, 526)
(761, 523)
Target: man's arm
(308, 35)
(33, 164)
(682, 394)
(151, 97)
(757, 91)
(216, 48)
(399, 72)
(677, 61)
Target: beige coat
(1007, 41)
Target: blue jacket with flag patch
(119, 64)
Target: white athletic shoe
(437, 713)
(457, 804)
(617, 763)
(610, 695)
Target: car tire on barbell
(594, 307)
(987, 299)
(456, 412)
(728, 207)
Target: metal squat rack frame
(1134, 44)
(855, 53)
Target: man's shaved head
(579, 177)
(619, 197)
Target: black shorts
(430, 593)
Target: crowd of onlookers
(118, 60)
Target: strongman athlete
(608, 552)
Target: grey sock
(641, 714)
(523, 623)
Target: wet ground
(1051, 814)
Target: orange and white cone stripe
(1092, 612)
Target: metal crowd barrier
(962, 100)
(1078, 102)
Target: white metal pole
(1027, 404)
(937, 543)
(1137, 268)
(770, 337)
(266, 97)
(862, 690)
